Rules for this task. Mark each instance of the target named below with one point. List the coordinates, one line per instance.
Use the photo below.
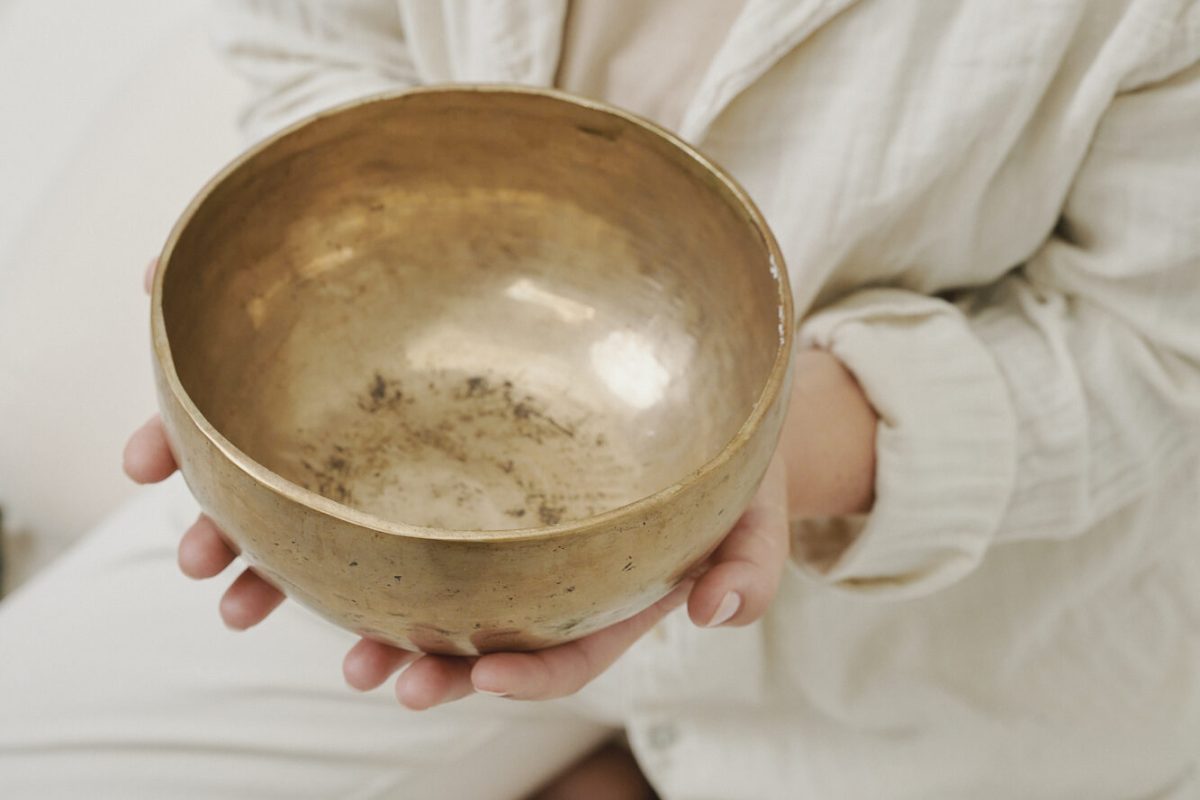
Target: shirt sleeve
(1035, 407)
(301, 56)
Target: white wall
(114, 114)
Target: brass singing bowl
(472, 369)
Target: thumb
(741, 583)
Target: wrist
(828, 439)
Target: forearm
(828, 440)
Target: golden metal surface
(469, 369)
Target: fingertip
(524, 676)
(248, 601)
(412, 694)
(704, 598)
(433, 680)
(730, 604)
(351, 674)
(489, 675)
(356, 675)
(369, 663)
(355, 667)
(202, 551)
(729, 595)
(699, 612)
(148, 276)
(147, 456)
(234, 613)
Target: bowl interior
(473, 310)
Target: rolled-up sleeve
(302, 56)
(1034, 407)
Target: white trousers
(118, 680)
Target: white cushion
(100, 182)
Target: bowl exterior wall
(468, 597)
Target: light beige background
(114, 114)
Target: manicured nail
(730, 604)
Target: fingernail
(730, 604)
(493, 694)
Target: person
(971, 571)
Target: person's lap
(119, 680)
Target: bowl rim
(293, 492)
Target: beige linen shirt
(645, 57)
(989, 212)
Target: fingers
(248, 601)
(433, 680)
(147, 457)
(369, 664)
(148, 278)
(565, 669)
(736, 590)
(203, 552)
(747, 567)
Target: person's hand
(735, 590)
(734, 587)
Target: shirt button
(662, 735)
